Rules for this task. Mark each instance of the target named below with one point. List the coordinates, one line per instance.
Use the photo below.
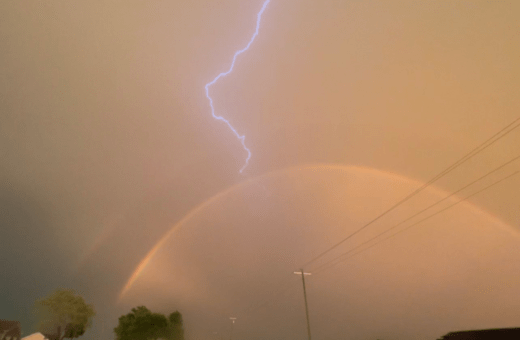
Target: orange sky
(454, 271)
(104, 118)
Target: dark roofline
(483, 333)
(489, 330)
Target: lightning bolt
(223, 74)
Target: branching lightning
(223, 74)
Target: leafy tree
(63, 314)
(75, 331)
(142, 324)
(176, 329)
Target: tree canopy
(176, 326)
(142, 324)
(63, 314)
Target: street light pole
(302, 273)
(231, 333)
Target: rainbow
(315, 167)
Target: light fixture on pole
(302, 273)
(231, 333)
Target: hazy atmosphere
(117, 182)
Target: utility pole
(231, 333)
(302, 273)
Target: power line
(490, 141)
(423, 210)
(340, 258)
(330, 264)
(486, 144)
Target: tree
(176, 329)
(142, 324)
(63, 314)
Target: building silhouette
(35, 336)
(485, 334)
(10, 330)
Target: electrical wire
(331, 264)
(428, 207)
(486, 144)
(490, 141)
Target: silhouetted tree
(176, 328)
(142, 324)
(63, 314)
